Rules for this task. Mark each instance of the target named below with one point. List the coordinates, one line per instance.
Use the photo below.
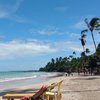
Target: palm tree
(53, 61)
(60, 59)
(87, 50)
(74, 53)
(70, 57)
(82, 39)
(83, 54)
(98, 51)
(91, 26)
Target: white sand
(74, 87)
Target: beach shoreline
(73, 87)
(10, 80)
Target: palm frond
(93, 21)
(83, 35)
(86, 21)
(74, 52)
(97, 27)
(82, 41)
(87, 50)
(83, 31)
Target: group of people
(86, 71)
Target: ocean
(14, 79)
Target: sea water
(14, 79)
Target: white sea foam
(51, 74)
(17, 78)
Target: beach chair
(50, 95)
(26, 96)
(44, 93)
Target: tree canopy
(61, 64)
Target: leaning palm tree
(83, 41)
(91, 26)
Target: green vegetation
(61, 64)
(90, 61)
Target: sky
(34, 31)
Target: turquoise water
(9, 80)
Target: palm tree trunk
(91, 32)
(93, 39)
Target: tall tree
(74, 53)
(87, 50)
(91, 26)
(53, 61)
(98, 51)
(82, 39)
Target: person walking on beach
(69, 71)
(78, 70)
(85, 70)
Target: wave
(43, 75)
(17, 78)
(51, 74)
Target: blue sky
(34, 31)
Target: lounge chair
(26, 96)
(44, 92)
(55, 95)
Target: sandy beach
(72, 88)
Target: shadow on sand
(18, 91)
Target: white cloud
(72, 46)
(34, 47)
(75, 35)
(8, 8)
(49, 30)
(68, 45)
(80, 25)
(8, 11)
(19, 19)
(22, 48)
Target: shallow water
(9, 80)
